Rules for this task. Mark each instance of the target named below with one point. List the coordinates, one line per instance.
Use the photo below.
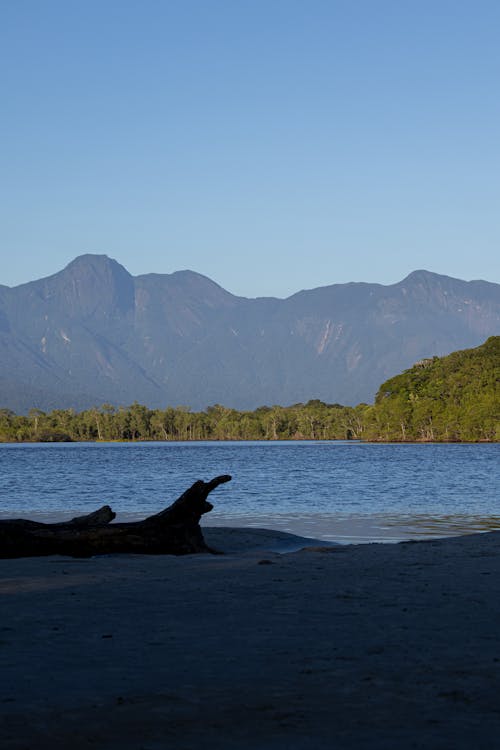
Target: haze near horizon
(271, 148)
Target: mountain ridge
(93, 333)
(106, 259)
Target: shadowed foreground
(373, 646)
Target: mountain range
(93, 333)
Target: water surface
(332, 490)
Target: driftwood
(174, 531)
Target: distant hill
(444, 398)
(93, 333)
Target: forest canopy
(452, 398)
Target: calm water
(340, 491)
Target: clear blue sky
(272, 145)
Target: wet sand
(361, 646)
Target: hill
(93, 333)
(444, 398)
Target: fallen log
(174, 531)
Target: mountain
(93, 333)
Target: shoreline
(372, 441)
(346, 646)
(315, 528)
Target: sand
(362, 646)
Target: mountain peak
(421, 275)
(98, 263)
(90, 284)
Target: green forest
(445, 399)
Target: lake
(331, 490)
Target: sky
(271, 145)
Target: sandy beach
(279, 643)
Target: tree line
(453, 398)
(312, 421)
